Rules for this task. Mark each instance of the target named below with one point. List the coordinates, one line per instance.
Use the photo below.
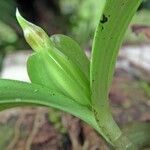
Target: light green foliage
(84, 17)
(8, 38)
(54, 117)
(7, 14)
(7, 35)
(16, 93)
(7, 18)
(58, 70)
(70, 48)
(146, 87)
(62, 76)
(107, 41)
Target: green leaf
(108, 38)
(73, 51)
(43, 70)
(17, 93)
(107, 41)
(39, 74)
(59, 69)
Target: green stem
(110, 129)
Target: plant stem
(111, 130)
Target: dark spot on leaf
(102, 28)
(104, 19)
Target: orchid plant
(64, 78)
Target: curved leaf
(108, 38)
(39, 74)
(44, 71)
(107, 41)
(17, 93)
(70, 48)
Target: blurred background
(31, 128)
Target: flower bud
(34, 35)
(52, 68)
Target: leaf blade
(17, 93)
(107, 41)
(72, 50)
(38, 74)
(104, 54)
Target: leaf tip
(34, 35)
(23, 23)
